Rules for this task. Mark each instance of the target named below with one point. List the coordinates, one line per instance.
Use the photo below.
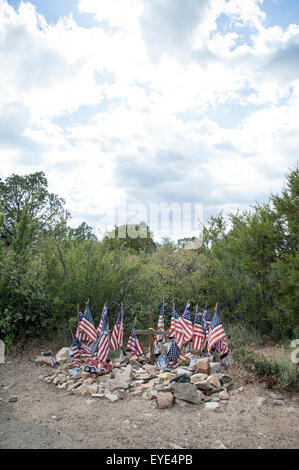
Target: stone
(293, 410)
(166, 376)
(12, 399)
(97, 395)
(83, 389)
(137, 392)
(62, 355)
(198, 378)
(86, 375)
(181, 378)
(74, 385)
(165, 400)
(125, 373)
(203, 366)
(153, 394)
(43, 360)
(89, 381)
(215, 399)
(115, 384)
(215, 367)
(111, 397)
(204, 386)
(219, 445)
(212, 405)
(224, 395)
(214, 380)
(121, 394)
(187, 392)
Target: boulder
(165, 400)
(203, 366)
(187, 392)
(214, 380)
(198, 378)
(62, 355)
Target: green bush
(281, 370)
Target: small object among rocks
(165, 400)
(12, 399)
(211, 405)
(224, 395)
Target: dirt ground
(44, 417)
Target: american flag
(217, 336)
(103, 349)
(118, 331)
(185, 327)
(86, 325)
(198, 333)
(134, 343)
(173, 354)
(185, 356)
(161, 324)
(99, 328)
(174, 315)
(80, 349)
(207, 325)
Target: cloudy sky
(150, 101)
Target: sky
(134, 103)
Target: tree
(30, 193)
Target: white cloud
(171, 72)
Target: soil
(44, 417)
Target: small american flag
(99, 328)
(134, 343)
(217, 336)
(206, 327)
(86, 325)
(161, 324)
(173, 354)
(186, 327)
(79, 349)
(174, 314)
(103, 349)
(118, 331)
(198, 333)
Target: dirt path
(46, 417)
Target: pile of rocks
(203, 382)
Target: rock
(86, 375)
(172, 445)
(187, 392)
(137, 392)
(43, 360)
(293, 410)
(166, 376)
(214, 380)
(214, 399)
(115, 384)
(62, 355)
(165, 400)
(111, 397)
(224, 395)
(203, 366)
(97, 395)
(204, 386)
(89, 381)
(276, 397)
(74, 385)
(224, 379)
(240, 389)
(215, 367)
(202, 395)
(125, 374)
(121, 394)
(277, 402)
(198, 378)
(211, 405)
(12, 399)
(153, 394)
(181, 378)
(83, 389)
(219, 445)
